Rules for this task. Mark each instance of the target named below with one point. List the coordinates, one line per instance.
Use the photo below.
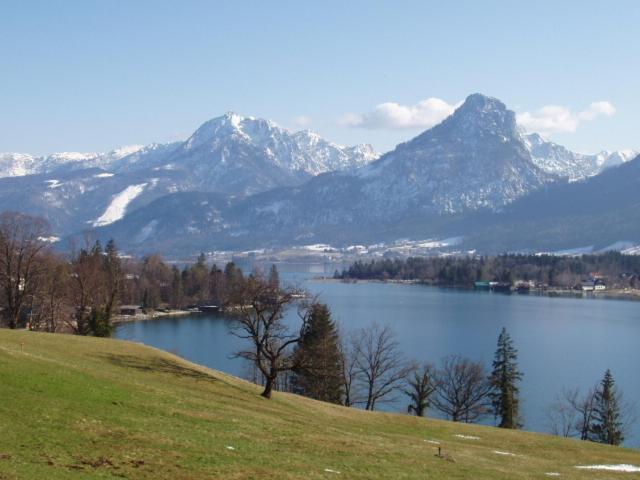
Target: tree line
(80, 292)
(463, 271)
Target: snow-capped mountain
(248, 155)
(558, 160)
(474, 160)
(20, 164)
(230, 154)
(242, 182)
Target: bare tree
(462, 389)
(351, 392)
(21, 244)
(562, 416)
(50, 306)
(420, 387)
(261, 308)
(585, 409)
(379, 364)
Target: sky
(95, 75)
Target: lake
(562, 342)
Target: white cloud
(552, 119)
(302, 121)
(391, 115)
(547, 120)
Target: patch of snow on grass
(118, 206)
(498, 452)
(434, 442)
(229, 447)
(552, 474)
(467, 437)
(622, 467)
(328, 470)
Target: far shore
(612, 294)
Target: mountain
(599, 213)
(245, 155)
(230, 154)
(474, 160)
(20, 164)
(558, 160)
(245, 183)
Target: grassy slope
(75, 407)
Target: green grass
(73, 407)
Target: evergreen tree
(607, 424)
(317, 360)
(100, 324)
(177, 290)
(113, 270)
(216, 284)
(274, 277)
(233, 279)
(504, 379)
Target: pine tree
(607, 425)
(177, 291)
(233, 279)
(100, 324)
(113, 270)
(504, 379)
(317, 360)
(274, 277)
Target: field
(73, 407)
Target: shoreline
(613, 294)
(120, 319)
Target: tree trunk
(268, 387)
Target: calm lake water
(562, 342)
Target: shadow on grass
(157, 365)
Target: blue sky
(93, 75)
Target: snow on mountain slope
(118, 206)
(17, 164)
(558, 160)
